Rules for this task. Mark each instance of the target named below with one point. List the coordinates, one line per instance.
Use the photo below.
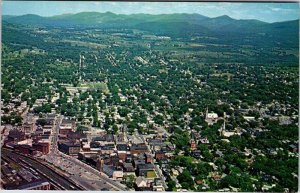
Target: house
(293, 148)
(196, 154)
(50, 119)
(171, 147)
(204, 140)
(193, 144)
(142, 184)
(148, 158)
(174, 172)
(195, 135)
(160, 155)
(128, 167)
(249, 118)
(113, 172)
(157, 185)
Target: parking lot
(85, 178)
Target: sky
(268, 12)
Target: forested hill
(219, 30)
(163, 23)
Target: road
(156, 168)
(56, 178)
(55, 132)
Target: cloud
(276, 9)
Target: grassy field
(96, 86)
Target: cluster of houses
(30, 138)
(27, 139)
(120, 155)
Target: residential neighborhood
(179, 102)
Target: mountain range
(172, 24)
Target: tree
(186, 180)
(129, 181)
(171, 185)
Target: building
(138, 162)
(193, 144)
(16, 135)
(25, 149)
(113, 172)
(66, 126)
(293, 148)
(157, 185)
(90, 158)
(204, 140)
(28, 128)
(142, 184)
(148, 158)
(160, 155)
(196, 154)
(211, 118)
(36, 185)
(138, 148)
(42, 146)
(70, 148)
(107, 149)
(142, 169)
(128, 167)
(65, 131)
(122, 151)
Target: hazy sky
(269, 12)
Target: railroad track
(59, 180)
